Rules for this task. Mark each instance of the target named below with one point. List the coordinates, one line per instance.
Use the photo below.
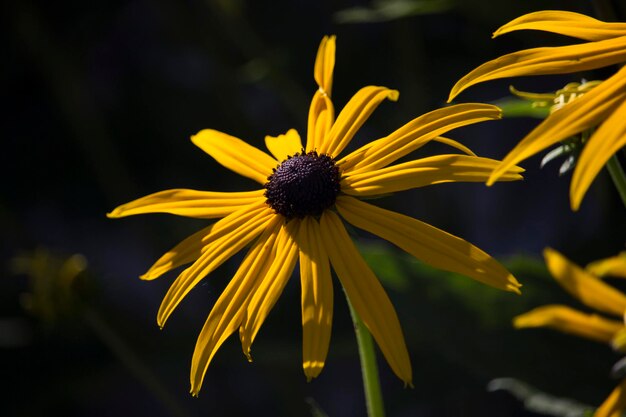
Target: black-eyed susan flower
(298, 214)
(590, 290)
(603, 107)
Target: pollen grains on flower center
(305, 184)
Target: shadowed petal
(366, 295)
(603, 144)
(421, 172)
(269, 288)
(581, 114)
(317, 298)
(282, 146)
(615, 404)
(229, 309)
(235, 154)
(427, 243)
(613, 266)
(568, 320)
(188, 203)
(547, 60)
(590, 290)
(565, 23)
(416, 134)
(352, 117)
(243, 226)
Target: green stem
(369, 369)
(618, 176)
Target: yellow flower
(594, 293)
(603, 107)
(297, 215)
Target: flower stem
(618, 176)
(369, 368)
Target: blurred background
(100, 101)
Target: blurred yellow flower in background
(297, 215)
(589, 289)
(600, 111)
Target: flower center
(305, 184)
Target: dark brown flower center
(305, 184)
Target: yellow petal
(317, 298)
(454, 144)
(568, 320)
(366, 295)
(282, 146)
(325, 64)
(189, 203)
(565, 23)
(579, 115)
(352, 117)
(416, 134)
(585, 287)
(615, 404)
(547, 60)
(603, 144)
(321, 119)
(614, 266)
(271, 285)
(229, 309)
(236, 154)
(220, 245)
(427, 243)
(422, 172)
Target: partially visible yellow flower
(307, 194)
(604, 107)
(594, 293)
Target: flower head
(590, 290)
(307, 194)
(603, 107)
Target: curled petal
(222, 243)
(565, 23)
(568, 320)
(590, 290)
(317, 298)
(352, 117)
(416, 134)
(547, 60)
(229, 309)
(188, 203)
(427, 243)
(422, 172)
(321, 119)
(366, 295)
(282, 146)
(579, 115)
(325, 64)
(235, 154)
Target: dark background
(100, 100)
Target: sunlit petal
(352, 117)
(603, 144)
(235, 154)
(271, 285)
(427, 243)
(565, 23)
(415, 134)
(321, 119)
(615, 404)
(366, 295)
(547, 60)
(229, 309)
(325, 64)
(317, 298)
(581, 114)
(188, 203)
(568, 320)
(590, 290)
(282, 146)
(613, 266)
(422, 172)
(224, 243)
